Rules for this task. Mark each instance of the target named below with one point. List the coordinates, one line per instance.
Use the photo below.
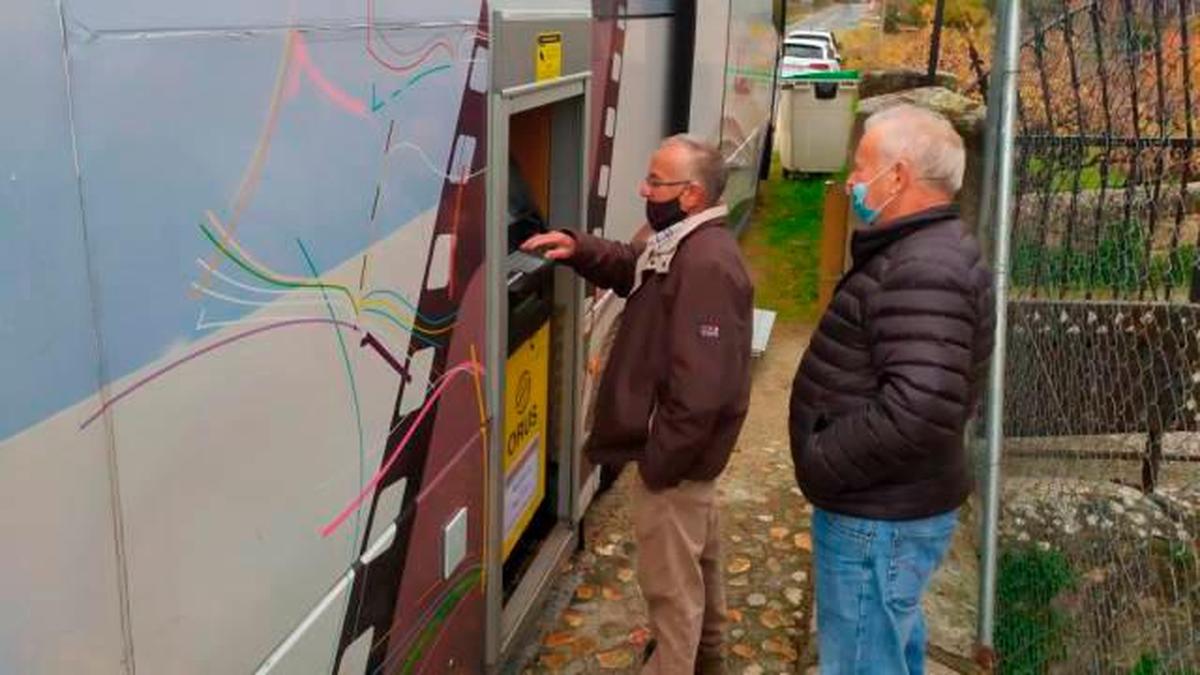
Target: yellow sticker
(547, 63)
(527, 383)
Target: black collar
(867, 243)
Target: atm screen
(524, 219)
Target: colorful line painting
(229, 247)
(252, 174)
(369, 489)
(402, 61)
(270, 145)
(377, 104)
(341, 342)
(372, 342)
(432, 621)
(190, 356)
(373, 302)
(381, 307)
(304, 66)
(296, 61)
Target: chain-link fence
(1098, 564)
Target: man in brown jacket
(675, 391)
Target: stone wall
(879, 82)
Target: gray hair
(926, 140)
(707, 165)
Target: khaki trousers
(679, 570)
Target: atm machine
(537, 180)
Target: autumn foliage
(1113, 67)
(870, 48)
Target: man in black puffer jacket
(883, 394)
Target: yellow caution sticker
(547, 63)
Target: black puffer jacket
(894, 371)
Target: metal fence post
(935, 42)
(1008, 45)
(987, 197)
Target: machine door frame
(505, 621)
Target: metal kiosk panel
(538, 120)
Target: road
(835, 17)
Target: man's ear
(903, 176)
(693, 198)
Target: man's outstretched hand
(551, 245)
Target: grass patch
(1119, 263)
(1152, 664)
(783, 245)
(1030, 631)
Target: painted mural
(242, 421)
(242, 333)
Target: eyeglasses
(656, 183)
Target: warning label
(548, 56)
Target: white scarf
(661, 247)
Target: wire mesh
(1099, 566)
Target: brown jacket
(677, 385)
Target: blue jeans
(870, 575)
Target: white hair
(707, 166)
(924, 139)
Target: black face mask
(664, 214)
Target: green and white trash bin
(816, 118)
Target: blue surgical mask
(858, 200)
